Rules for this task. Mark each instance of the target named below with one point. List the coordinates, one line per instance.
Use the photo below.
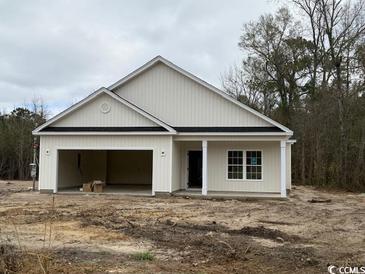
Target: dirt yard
(43, 233)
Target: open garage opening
(123, 171)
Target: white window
(253, 165)
(235, 164)
(244, 165)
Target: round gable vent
(104, 107)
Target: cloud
(63, 50)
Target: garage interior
(123, 171)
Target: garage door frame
(107, 148)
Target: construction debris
(319, 200)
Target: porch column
(283, 169)
(205, 167)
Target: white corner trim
(291, 141)
(199, 81)
(94, 95)
(170, 164)
(283, 169)
(205, 167)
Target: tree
(16, 141)
(312, 76)
(276, 63)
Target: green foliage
(144, 256)
(309, 75)
(16, 141)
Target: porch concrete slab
(227, 195)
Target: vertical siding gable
(90, 115)
(180, 101)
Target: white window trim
(262, 165)
(244, 165)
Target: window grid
(235, 164)
(253, 165)
(244, 165)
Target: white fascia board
(228, 138)
(92, 96)
(281, 134)
(101, 148)
(96, 133)
(199, 81)
(135, 73)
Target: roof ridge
(200, 81)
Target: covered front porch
(230, 167)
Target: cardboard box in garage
(98, 186)
(87, 187)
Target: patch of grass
(143, 256)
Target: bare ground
(103, 233)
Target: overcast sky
(62, 50)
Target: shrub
(144, 256)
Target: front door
(195, 159)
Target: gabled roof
(210, 87)
(161, 124)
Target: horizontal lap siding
(217, 167)
(162, 165)
(180, 101)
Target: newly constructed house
(161, 129)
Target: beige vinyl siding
(90, 115)
(180, 101)
(217, 167)
(161, 176)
